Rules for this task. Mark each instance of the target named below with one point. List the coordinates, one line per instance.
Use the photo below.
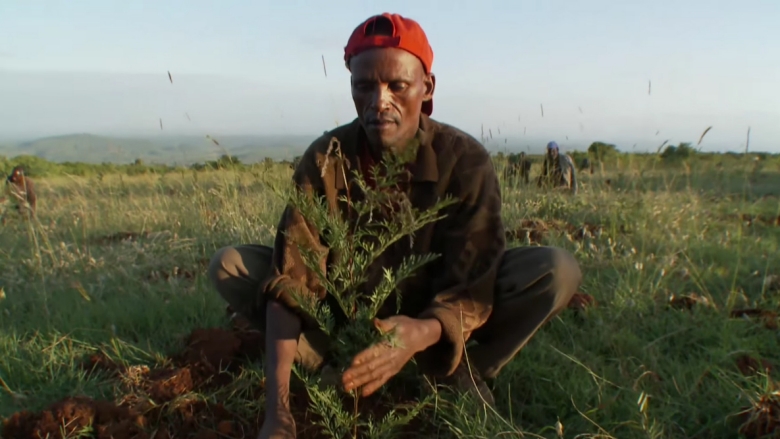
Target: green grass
(665, 230)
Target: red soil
(762, 418)
(156, 402)
(749, 366)
(768, 318)
(161, 403)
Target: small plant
(369, 224)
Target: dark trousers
(533, 285)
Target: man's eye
(398, 86)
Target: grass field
(633, 366)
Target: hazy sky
(254, 67)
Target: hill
(91, 148)
(87, 148)
(189, 149)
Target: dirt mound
(156, 403)
(768, 318)
(212, 349)
(166, 402)
(101, 362)
(85, 417)
(762, 418)
(749, 366)
(209, 359)
(74, 416)
(187, 397)
(688, 301)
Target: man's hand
(373, 367)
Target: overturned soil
(72, 416)
(762, 418)
(170, 401)
(687, 301)
(750, 366)
(763, 316)
(159, 403)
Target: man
(22, 190)
(586, 164)
(524, 166)
(476, 291)
(558, 170)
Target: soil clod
(688, 301)
(766, 317)
(762, 418)
(750, 366)
(158, 403)
(72, 416)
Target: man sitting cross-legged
(475, 291)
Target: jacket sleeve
(289, 272)
(471, 244)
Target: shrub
(357, 247)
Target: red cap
(407, 35)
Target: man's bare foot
(278, 425)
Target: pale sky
(255, 67)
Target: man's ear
(430, 86)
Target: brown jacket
(562, 173)
(457, 288)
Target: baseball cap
(407, 35)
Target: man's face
(16, 176)
(553, 153)
(388, 88)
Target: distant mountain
(90, 148)
(81, 147)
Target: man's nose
(380, 99)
